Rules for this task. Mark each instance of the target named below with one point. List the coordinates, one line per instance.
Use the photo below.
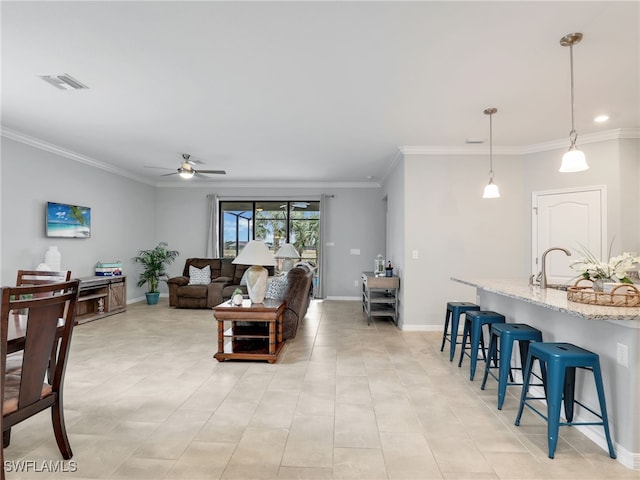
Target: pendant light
(491, 190)
(573, 160)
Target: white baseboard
(420, 328)
(144, 298)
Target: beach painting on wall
(70, 221)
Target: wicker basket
(626, 295)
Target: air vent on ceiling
(63, 82)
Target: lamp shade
(491, 191)
(255, 253)
(573, 161)
(287, 251)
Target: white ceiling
(310, 91)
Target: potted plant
(154, 263)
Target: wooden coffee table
(254, 330)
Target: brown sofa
(298, 295)
(225, 278)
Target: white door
(568, 219)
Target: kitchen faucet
(543, 274)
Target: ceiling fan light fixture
(185, 173)
(574, 160)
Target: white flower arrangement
(615, 269)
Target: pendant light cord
(491, 147)
(573, 135)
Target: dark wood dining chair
(48, 316)
(34, 277)
(40, 277)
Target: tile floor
(146, 400)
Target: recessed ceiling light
(601, 118)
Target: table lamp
(288, 252)
(256, 254)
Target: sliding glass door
(275, 222)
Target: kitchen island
(611, 332)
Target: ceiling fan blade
(199, 175)
(212, 172)
(167, 174)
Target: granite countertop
(551, 298)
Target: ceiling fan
(187, 171)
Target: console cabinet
(380, 296)
(100, 297)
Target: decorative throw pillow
(276, 286)
(199, 276)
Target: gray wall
(429, 203)
(393, 189)
(458, 234)
(355, 220)
(128, 216)
(123, 213)
(613, 163)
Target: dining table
(17, 329)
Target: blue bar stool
(473, 323)
(454, 310)
(558, 363)
(503, 336)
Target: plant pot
(598, 284)
(152, 297)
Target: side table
(380, 296)
(248, 338)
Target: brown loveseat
(225, 278)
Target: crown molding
(63, 152)
(262, 184)
(458, 150)
(397, 157)
(621, 133)
(616, 134)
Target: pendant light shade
(491, 190)
(574, 160)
